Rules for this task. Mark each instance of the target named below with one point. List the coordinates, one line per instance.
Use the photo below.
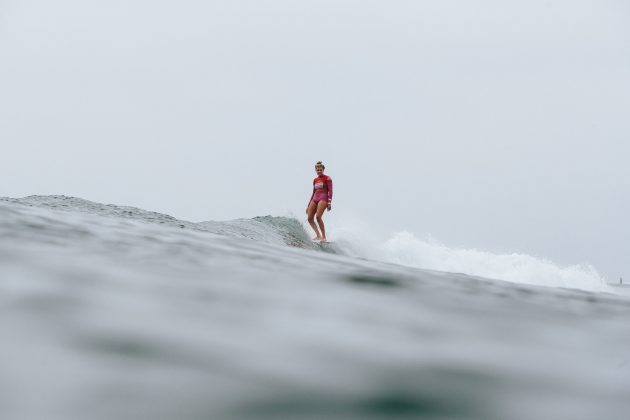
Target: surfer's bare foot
(322, 240)
(317, 238)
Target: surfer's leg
(321, 207)
(312, 209)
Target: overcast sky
(499, 125)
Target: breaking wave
(402, 248)
(405, 248)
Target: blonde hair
(319, 163)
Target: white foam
(406, 249)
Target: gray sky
(498, 125)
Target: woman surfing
(321, 200)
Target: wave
(402, 248)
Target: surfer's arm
(329, 183)
(311, 199)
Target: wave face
(268, 229)
(115, 312)
(265, 229)
(406, 249)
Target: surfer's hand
(329, 206)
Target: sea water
(116, 312)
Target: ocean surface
(112, 312)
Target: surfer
(321, 200)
